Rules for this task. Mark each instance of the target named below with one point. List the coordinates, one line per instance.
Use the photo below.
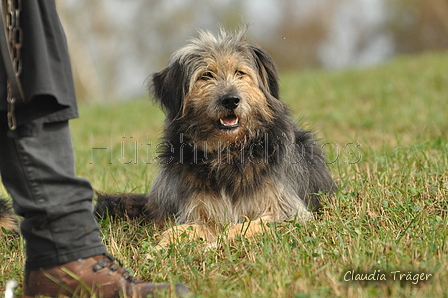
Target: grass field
(385, 131)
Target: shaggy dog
(231, 154)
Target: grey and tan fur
(8, 220)
(231, 153)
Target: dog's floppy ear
(168, 86)
(267, 71)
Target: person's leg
(65, 255)
(37, 169)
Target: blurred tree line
(419, 25)
(116, 44)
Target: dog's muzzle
(230, 101)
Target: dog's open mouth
(229, 122)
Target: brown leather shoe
(100, 275)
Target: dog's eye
(206, 76)
(239, 73)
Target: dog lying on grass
(231, 154)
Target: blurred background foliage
(116, 44)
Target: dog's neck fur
(238, 167)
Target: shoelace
(109, 261)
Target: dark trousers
(37, 169)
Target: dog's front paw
(186, 233)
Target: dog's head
(219, 88)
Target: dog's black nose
(230, 101)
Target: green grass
(385, 130)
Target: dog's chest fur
(241, 181)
